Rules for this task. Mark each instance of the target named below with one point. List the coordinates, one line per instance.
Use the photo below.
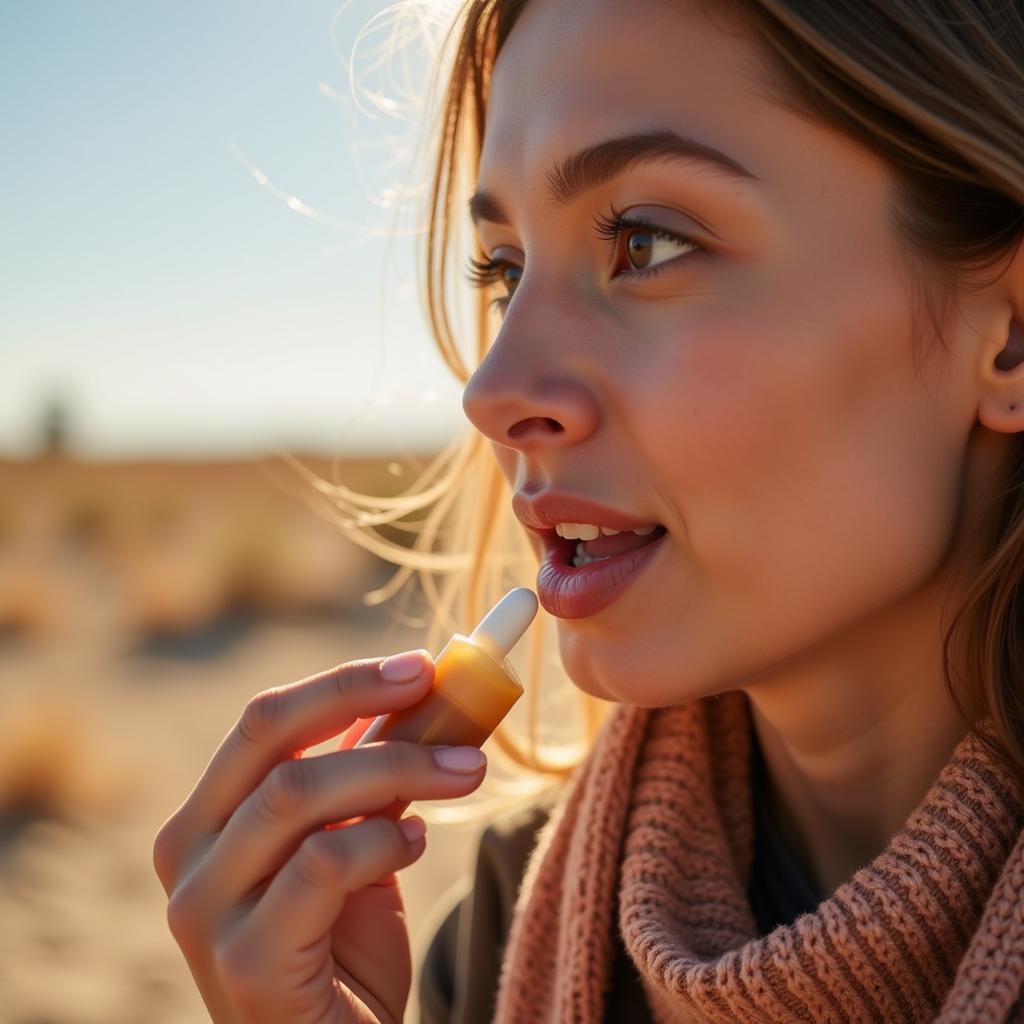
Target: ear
(1001, 401)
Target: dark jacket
(460, 970)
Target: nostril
(545, 424)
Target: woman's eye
(645, 247)
(641, 248)
(485, 273)
(510, 275)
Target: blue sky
(154, 273)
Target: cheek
(801, 458)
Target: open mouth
(580, 577)
(572, 551)
(590, 553)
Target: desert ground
(141, 605)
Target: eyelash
(484, 273)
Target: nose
(522, 398)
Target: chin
(604, 671)
(580, 667)
(585, 668)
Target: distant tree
(54, 427)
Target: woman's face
(737, 369)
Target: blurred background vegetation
(141, 604)
(207, 260)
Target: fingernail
(459, 759)
(404, 668)
(413, 827)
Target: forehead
(574, 73)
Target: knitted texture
(655, 838)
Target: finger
(280, 722)
(304, 795)
(306, 896)
(354, 733)
(266, 963)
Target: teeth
(581, 558)
(588, 531)
(578, 531)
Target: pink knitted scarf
(655, 837)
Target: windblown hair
(933, 87)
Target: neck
(855, 732)
(850, 751)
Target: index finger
(280, 723)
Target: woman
(756, 267)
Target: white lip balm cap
(500, 629)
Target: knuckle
(260, 716)
(285, 790)
(323, 857)
(401, 759)
(385, 838)
(240, 971)
(346, 678)
(166, 854)
(183, 920)
(391, 839)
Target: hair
(933, 87)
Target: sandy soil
(101, 736)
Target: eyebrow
(594, 165)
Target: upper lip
(542, 512)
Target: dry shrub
(90, 520)
(49, 764)
(251, 566)
(30, 603)
(272, 565)
(169, 595)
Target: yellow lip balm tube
(474, 686)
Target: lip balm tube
(474, 686)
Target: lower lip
(569, 593)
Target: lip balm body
(474, 686)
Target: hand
(280, 868)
